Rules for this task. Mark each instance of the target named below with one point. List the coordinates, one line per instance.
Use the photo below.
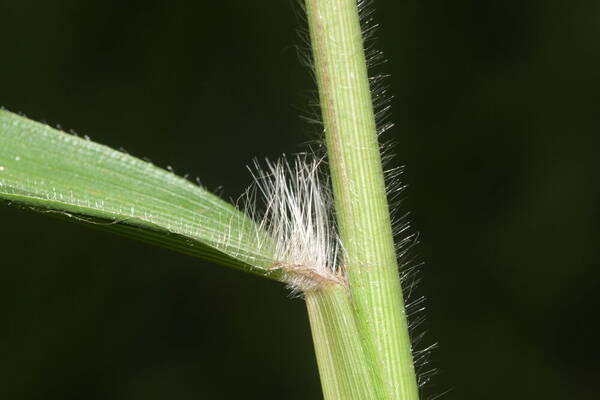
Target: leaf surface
(47, 170)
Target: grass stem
(359, 190)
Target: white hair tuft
(297, 215)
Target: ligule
(291, 201)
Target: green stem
(343, 364)
(360, 194)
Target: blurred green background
(497, 111)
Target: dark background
(496, 105)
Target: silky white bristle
(297, 215)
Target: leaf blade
(49, 170)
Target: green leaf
(47, 170)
